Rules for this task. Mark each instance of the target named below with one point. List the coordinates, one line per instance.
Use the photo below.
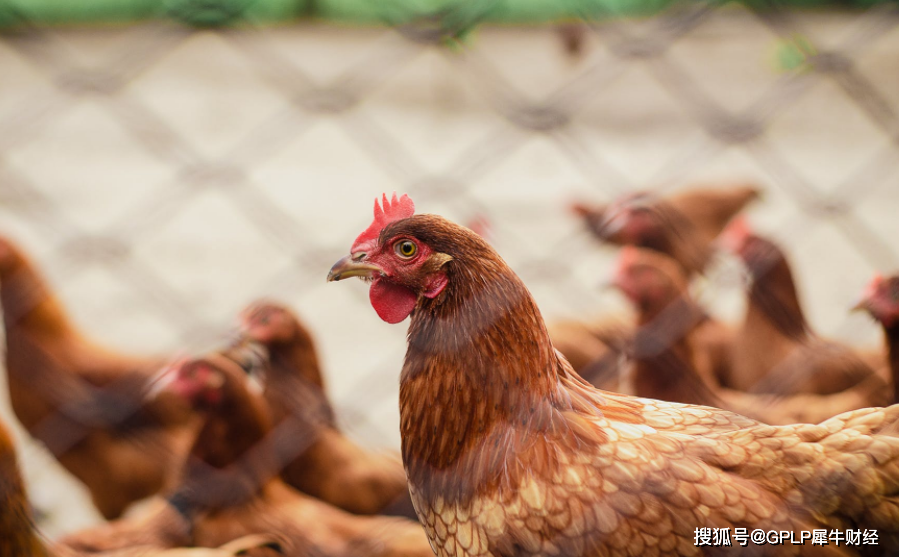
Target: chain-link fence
(164, 176)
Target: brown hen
(776, 350)
(664, 346)
(19, 537)
(509, 452)
(84, 401)
(683, 225)
(881, 300)
(230, 487)
(671, 355)
(329, 465)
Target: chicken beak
(861, 305)
(351, 266)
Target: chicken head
(401, 267)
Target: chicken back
(509, 452)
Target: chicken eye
(406, 249)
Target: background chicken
(664, 347)
(508, 451)
(672, 359)
(157, 524)
(17, 534)
(881, 300)
(329, 466)
(18, 537)
(231, 488)
(597, 349)
(83, 401)
(683, 226)
(775, 349)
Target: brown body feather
(85, 401)
(775, 350)
(891, 333)
(232, 488)
(664, 356)
(17, 534)
(670, 338)
(508, 452)
(157, 525)
(596, 350)
(682, 226)
(881, 300)
(19, 538)
(329, 465)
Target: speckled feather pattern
(646, 489)
(509, 453)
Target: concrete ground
(165, 178)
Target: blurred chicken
(683, 226)
(672, 362)
(881, 300)
(160, 525)
(19, 538)
(231, 488)
(509, 452)
(83, 401)
(329, 465)
(664, 344)
(776, 350)
(247, 546)
(597, 350)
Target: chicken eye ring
(405, 249)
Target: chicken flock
(593, 437)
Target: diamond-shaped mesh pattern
(164, 177)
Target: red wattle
(392, 302)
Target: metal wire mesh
(165, 176)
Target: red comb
(393, 210)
